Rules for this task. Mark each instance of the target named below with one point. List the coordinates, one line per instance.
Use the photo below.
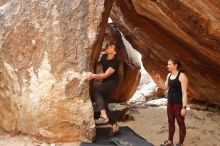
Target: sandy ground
(21, 140)
(203, 128)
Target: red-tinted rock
(188, 30)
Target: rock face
(188, 30)
(45, 46)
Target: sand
(203, 128)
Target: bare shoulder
(183, 76)
(168, 75)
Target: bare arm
(184, 84)
(101, 76)
(160, 83)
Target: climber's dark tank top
(175, 91)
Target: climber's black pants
(101, 94)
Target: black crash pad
(126, 137)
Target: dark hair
(176, 62)
(112, 42)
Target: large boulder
(45, 47)
(188, 30)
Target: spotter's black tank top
(175, 91)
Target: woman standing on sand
(176, 83)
